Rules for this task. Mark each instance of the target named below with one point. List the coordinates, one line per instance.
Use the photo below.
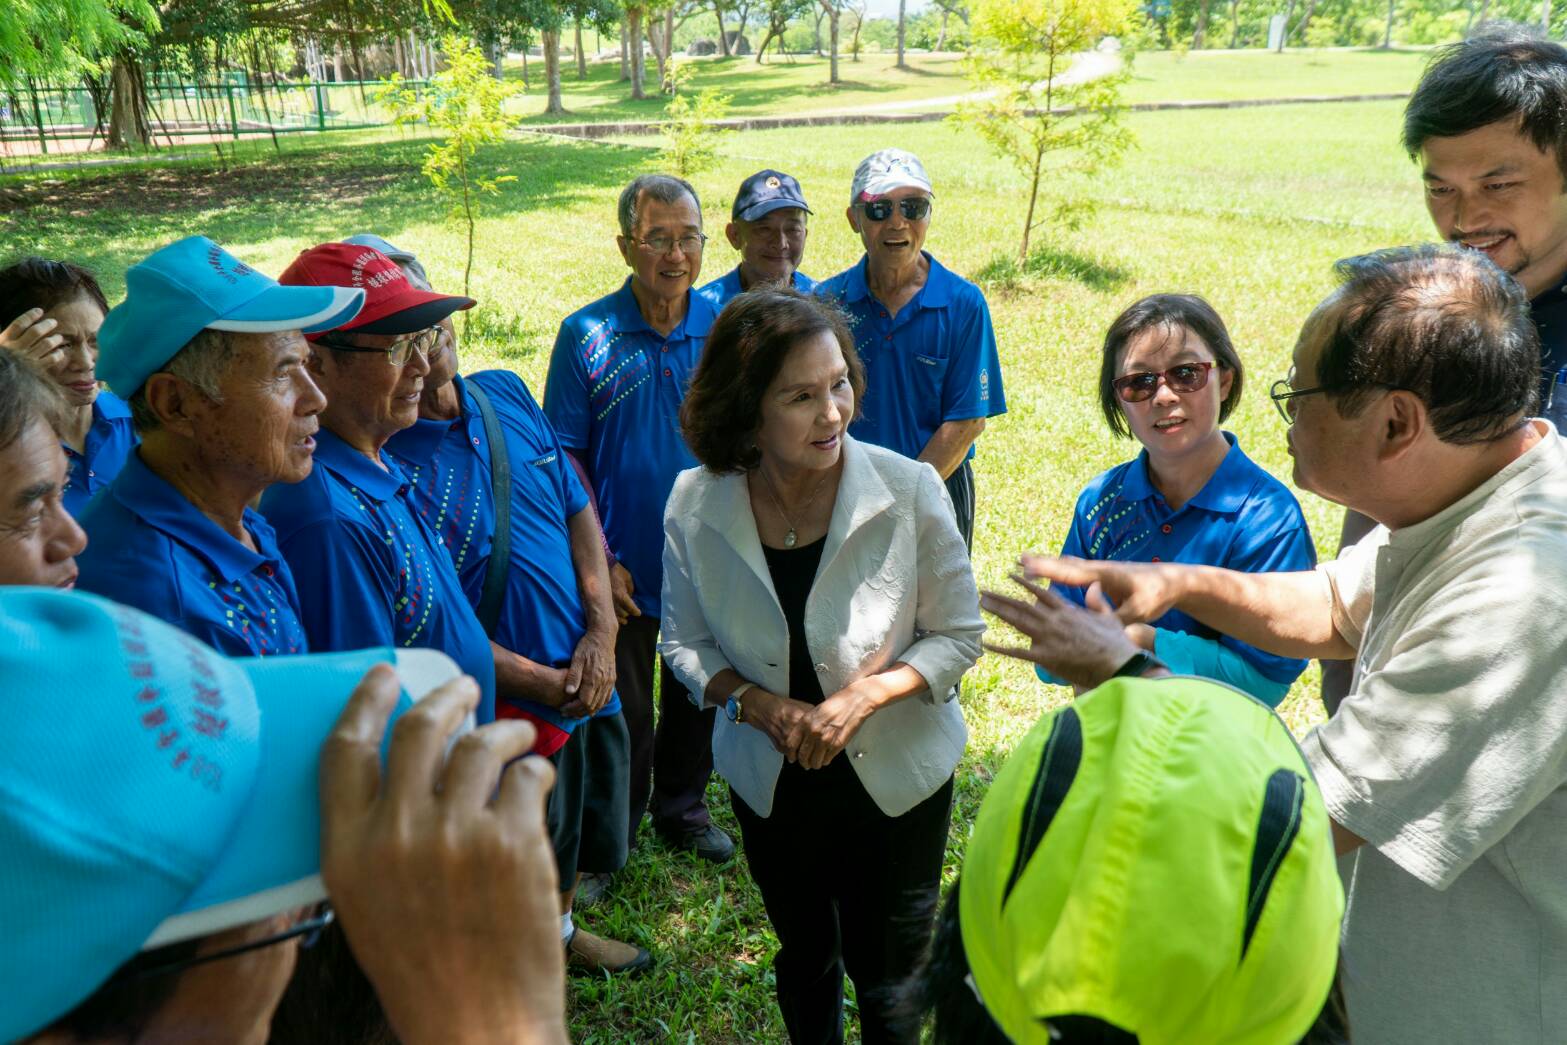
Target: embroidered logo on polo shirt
(984, 384)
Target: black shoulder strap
(500, 491)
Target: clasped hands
(810, 734)
(1083, 645)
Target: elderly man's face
(771, 246)
(669, 272)
(897, 241)
(1495, 191)
(1330, 450)
(263, 426)
(369, 399)
(38, 538)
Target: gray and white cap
(885, 170)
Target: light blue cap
(176, 292)
(151, 791)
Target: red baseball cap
(392, 304)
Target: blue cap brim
(766, 207)
(280, 307)
(272, 863)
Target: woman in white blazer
(818, 591)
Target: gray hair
(664, 188)
(25, 396)
(201, 364)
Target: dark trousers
(960, 487)
(1338, 674)
(848, 889)
(673, 765)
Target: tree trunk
(625, 61)
(833, 15)
(1202, 26)
(1305, 21)
(525, 47)
(1289, 12)
(339, 63)
(669, 32)
(723, 34)
(902, 21)
(127, 115)
(634, 42)
(658, 54)
(582, 59)
(941, 37)
(1387, 34)
(1235, 25)
(1545, 17)
(765, 41)
(552, 106)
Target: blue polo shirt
(149, 547)
(614, 391)
(110, 440)
(370, 572)
(727, 287)
(448, 463)
(1242, 519)
(933, 362)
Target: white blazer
(894, 584)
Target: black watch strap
(1140, 663)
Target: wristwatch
(1140, 663)
(734, 711)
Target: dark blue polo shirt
(1242, 519)
(448, 463)
(370, 572)
(149, 547)
(614, 390)
(109, 443)
(1549, 312)
(727, 287)
(933, 362)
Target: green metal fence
(48, 118)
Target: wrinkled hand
(621, 587)
(32, 337)
(1140, 591)
(1142, 636)
(590, 679)
(445, 887)
(830, 727)
(781, 718)
(1082, 646)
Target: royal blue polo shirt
(1242, 519)
(614, 391)
(727, 287)
(149, 547)
(370, 572)
(448, 463)
(110, 440)
(933, 362)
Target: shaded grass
(1246, 207)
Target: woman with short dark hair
(818, 590)
(1169, 377)
(54, 309)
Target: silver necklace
(790, 538)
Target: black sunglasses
(1184, 378)
(915, 208)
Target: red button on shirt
(1157, 559)
(1166, 528)
(668, 372)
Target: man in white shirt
(1445, 769)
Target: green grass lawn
(1247, 207)
(1162, 76)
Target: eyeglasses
(691, 243)
(307, 930)
(915, 208)
(1281, 393)
(399, 352)
(1187, 377)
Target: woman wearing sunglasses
(1168, 377)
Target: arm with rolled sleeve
(686, 640)
(1458, 733)
(946, 617)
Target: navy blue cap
(764, 192)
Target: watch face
(732, 709)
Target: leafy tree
(60, 40)
(467, 105)
(778, 14)
(1033, 110)
(691, 131)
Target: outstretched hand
(440, 868)
(1084, 646)
(1139, 591)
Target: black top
(794, 571)
(1549, 312)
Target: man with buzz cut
(767, 225)
(1486, 126)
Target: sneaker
(591, 954)
(709, 843)
(590, 889)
